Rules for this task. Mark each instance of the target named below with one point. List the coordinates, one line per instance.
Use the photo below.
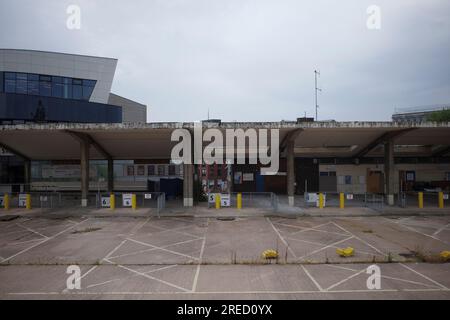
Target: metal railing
(262, 200)
(57, 199)
(350, 200)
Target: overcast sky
(252, 60)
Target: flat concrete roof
(152, 140)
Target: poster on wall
(410, 176)
(65, 171)
(238, 178)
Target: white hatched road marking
(44, 241)
(197, 272)
(282, 239)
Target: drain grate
(226, 218)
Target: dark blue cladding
(28, 108)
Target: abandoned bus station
(65, 138)
(352, 159)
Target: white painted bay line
(424, 276)
(282, 239)
(356, 237)
(312, 278)
(152, 249)
(197, 272)
(326, 247)
(153, 278)
(345, 280)
(48, 239)
(163, 249)
(33, 231)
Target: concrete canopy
(152, 140)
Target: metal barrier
(55, 199)
(421, 200)
(344, 200)
(242, 200)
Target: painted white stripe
(345, 280)
(163, 249)
(153, 278)
(134, 275)
(310, 229)
(326, 247)
(44, 241)
(356, 237)
(424, 276)
(312, 278)
(197, 272)
(282, 239)
(33, 231)
(441, 229)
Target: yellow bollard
(239, 201)
(320, 200)
(342, 200)
(6, 201)
(217, 201)
(133, 202)
(112, 201)
(420, 200)
(441, 200)
(28, 202)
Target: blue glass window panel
(45, 88)
(57, 79)
(89, 83)
(1, 81)
(77, 81)
(10, 75)
(87, 92)
(77, 92)
(21, 86)
(57, 90)
(33, 88)
(67, 91)
(45, 78)
(21, 76)
(67, 80)
(10, 86)
(33, 77)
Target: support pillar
(188, 185)
(27, 176)
(110, 175)
(84, 146)
(389, 171)
(290, 172)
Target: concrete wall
(131, 111)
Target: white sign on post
(349, 196)
(225, 200)
(312, 197)
(22, 200)
(126, 199)
(212, 198)
(446, 196)
(106, 202)
(147, 196)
